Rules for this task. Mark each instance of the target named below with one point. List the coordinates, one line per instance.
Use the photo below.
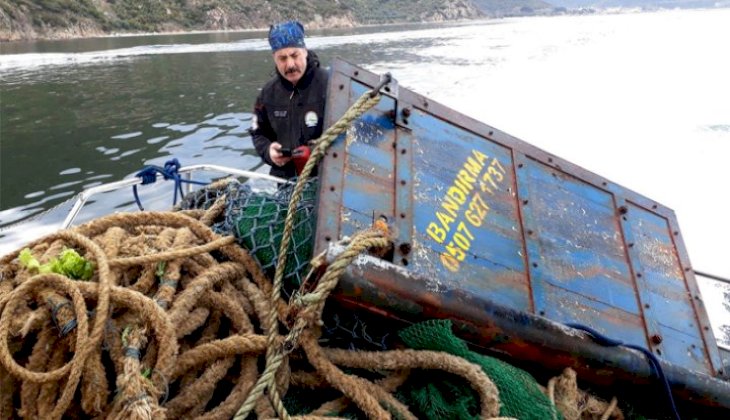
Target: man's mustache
(291, 70)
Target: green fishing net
(453, 397)
(257, 220)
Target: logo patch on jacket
(311, 119)
(280, 113)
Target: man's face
(291, 63)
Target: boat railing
(185, 171)
(726, 283)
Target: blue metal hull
(511, 242)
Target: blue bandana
(286, 34)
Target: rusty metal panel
(673, 324)
(466, 231)
(481, 216)
(578, 263)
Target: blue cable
(653, 361)
(169, 171)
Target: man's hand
(276, 156)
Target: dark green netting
(453, 398)
(257, 221)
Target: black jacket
(289, 114)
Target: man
(290, 108)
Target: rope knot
(170, 171)
(132, 352)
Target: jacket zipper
(292, 129)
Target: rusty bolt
(656, 339)
(406, 112)
(623, 210)
(391, 114)
(405, 248)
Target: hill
(514, 7)
(32, 19)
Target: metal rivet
(623, 210)
(332, 188)
(327, 238)
(357, 73)
(638, 274)
(534, 265)
(656, 339)
(402, 151)
(524, 202)
(646, 305)
(542, 313)
(402, 215)
(334, 155)
(405, 248)
(342, 87)
(403, 182)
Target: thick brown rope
(85, 364)
(273, 355)
(573, 403)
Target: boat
(531, 257)
(519, 247)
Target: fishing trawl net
(257, 221)
(451, 398)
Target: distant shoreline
(102, 35)
(79, 34)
